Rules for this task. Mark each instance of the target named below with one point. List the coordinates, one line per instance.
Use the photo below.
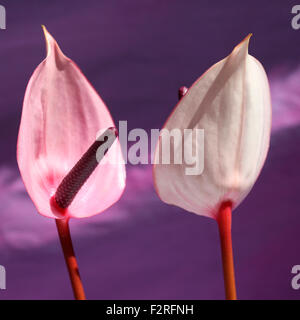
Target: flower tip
(48, 39)
(248, 37)
(44, 28)
(243, 45)
(47, 35)
(51, 43)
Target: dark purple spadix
(182, 91)
(78, 175)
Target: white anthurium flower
(231, 103)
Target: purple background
(136, 54)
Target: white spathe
(231, 102)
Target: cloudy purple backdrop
(136, 54)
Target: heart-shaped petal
(62, 114)
(231, 102)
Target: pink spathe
(231, 102)
(62, 114)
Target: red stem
(224, 222)
(71, 262)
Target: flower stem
(71, 262)
(224, 222)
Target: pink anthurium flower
(231, 102)
(62, 114)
